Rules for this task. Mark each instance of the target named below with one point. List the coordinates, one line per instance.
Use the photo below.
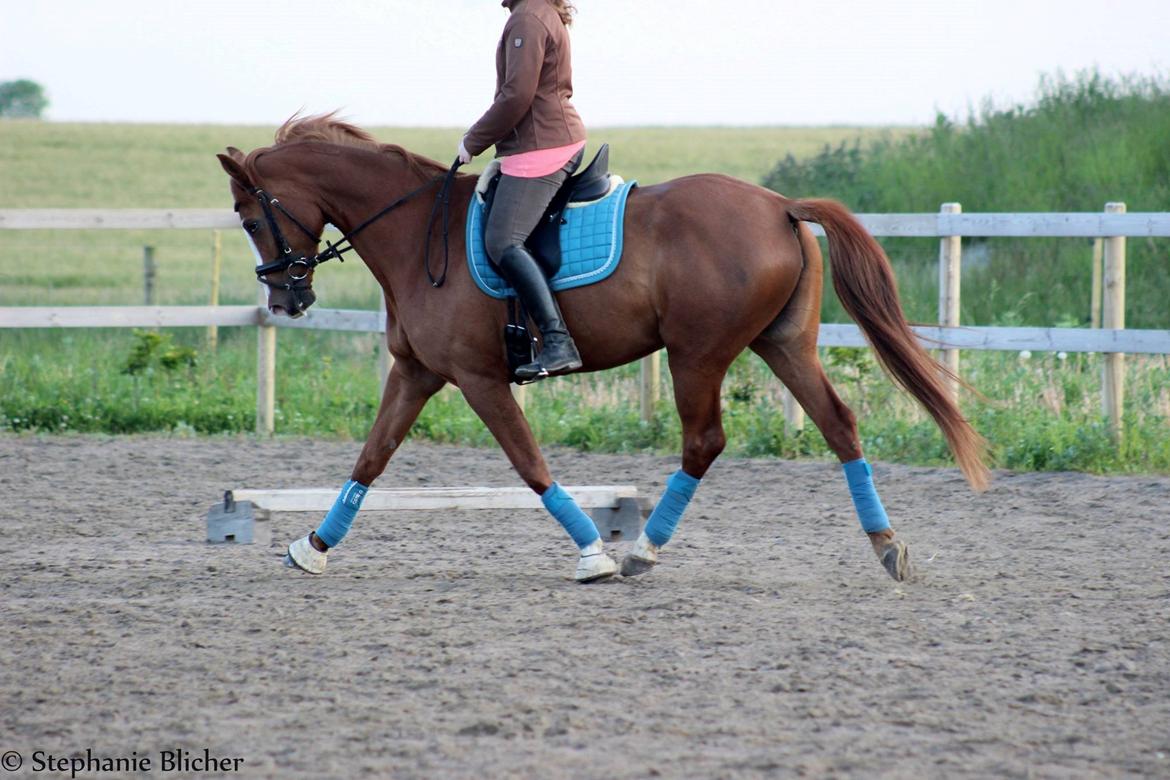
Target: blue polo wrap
(336, 524)
(680, 489)
(562, 506)
(859, 477)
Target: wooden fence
(1110, 227)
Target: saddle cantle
(589, 185)
(578, 240)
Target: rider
(541, 139)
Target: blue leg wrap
(680, 488)
(562, 506)
(336, 524)
(869, 507)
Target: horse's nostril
(277, 309)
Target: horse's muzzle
(293, 306)
(280, 311)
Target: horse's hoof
(641, 557)
(632, 567)
(304, 556)
(895, 556)
(595, 568)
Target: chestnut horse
(711, 265)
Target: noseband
(299, 265)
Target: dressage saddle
(591, 184)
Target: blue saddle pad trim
(591, 244)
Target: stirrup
(530, 372)
(564, 357)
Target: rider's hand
(464, 155)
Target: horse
(711, 266)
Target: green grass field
(1043, 414)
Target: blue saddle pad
(591, 244)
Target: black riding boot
(558, 353)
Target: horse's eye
(252, 225)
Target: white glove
(464, 155)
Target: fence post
(793, 412)
(149, 272)
(385, 359)
(949, 274)
(520, 393)
(1113, 316)
(650, 380)
(265, 372)
(1095, 303)
(216, 265)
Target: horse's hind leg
(697, 389)
(794, 361)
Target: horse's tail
(865, 285)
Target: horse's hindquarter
(717, 257)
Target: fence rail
(1156, 342)
(986, 225)
(950, 224)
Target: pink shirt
(540, 162)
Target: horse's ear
(235, 168)
(235, 154)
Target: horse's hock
(241, 518)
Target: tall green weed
(1081, 142)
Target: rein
(299, 265)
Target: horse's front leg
(408, 388)
(492, 400)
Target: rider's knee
(496, 242)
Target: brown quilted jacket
(534, 84)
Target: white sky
(636, 62)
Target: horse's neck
(354, 186)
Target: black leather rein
(299, 265)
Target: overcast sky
(431, 62)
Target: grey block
(236, 522)
(624, 523)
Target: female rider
(541, 139)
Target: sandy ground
(769, 642)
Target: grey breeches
(518, 207)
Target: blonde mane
(328, 129)
(323, 128)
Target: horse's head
(285, 245)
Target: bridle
(299, 266)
